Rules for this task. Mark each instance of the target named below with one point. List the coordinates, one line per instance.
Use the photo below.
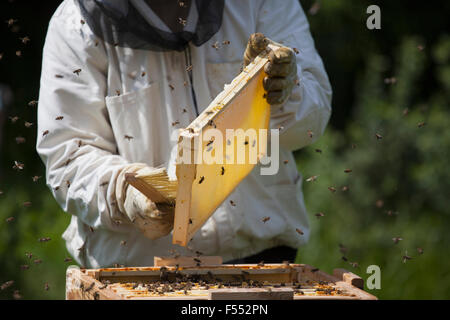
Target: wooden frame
(203, 187)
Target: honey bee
(332, 189)
(312, 178)
(300, 232)
(202, 178)
(14, 119)
(319, 214)
(33, 103)
(405, 111)
(37, 261)
(182, 21)
(46, 132)
(128, 137)
(19, 53)
(59, 76)
(143, 74)
(185, 83)
(223, 171)
(46, 239)
(46, 286)
(296, 50)
(182, 4)
(20, 140)
(345, 188)
(286, 161)
(27, 204)
(175, 123)
(25, 39)
(420, 250)
(215, 45)
(18, 165)
(212, 124)
(421, 124)
(123, 243)
(348, 170)
(118, 92)
(16, 295)
(11, 21)
(77, 71)
(397, 239)
(67, 259)
(89, 287)
(379, 203)
(171, 86)
(190, 221)
(391, 80)
(310, 133)
(80, 143)
(68, 183)
(226, 42)
(82, 21)
(378, 136)
(265, 219)
(261, 264)
(59, 118)
(28, 124)
(406, 257)
(7, 284)
(232, 203)
(24, 267)
(10, 219)
(91, 229)
(189, 68)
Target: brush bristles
(159, 180)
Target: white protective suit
(87, 148)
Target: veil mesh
(119, 22)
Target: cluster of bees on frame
(173, 280)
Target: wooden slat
(187, 261)
(251, 294)
(349, 277)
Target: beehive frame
(203, 187)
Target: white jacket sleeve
(75, 140)
(309, 107)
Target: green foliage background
(398, 186)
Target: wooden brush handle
(145, 188)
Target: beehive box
(213, 282)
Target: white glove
(154, 220)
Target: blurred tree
(397, 148)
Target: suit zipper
(187, 55)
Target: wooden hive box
(168, 280)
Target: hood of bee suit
(133, 24)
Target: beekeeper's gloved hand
(154, 220)
(281, 69)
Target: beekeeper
(120, 77)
